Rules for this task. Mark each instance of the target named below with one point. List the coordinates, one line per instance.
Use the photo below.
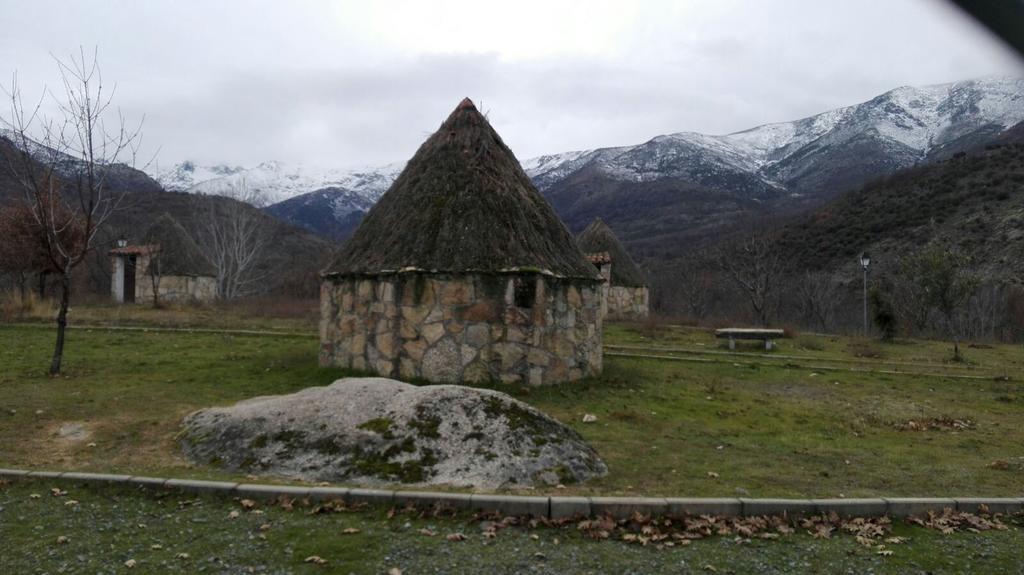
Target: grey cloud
(242, 83)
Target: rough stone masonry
(527, 328)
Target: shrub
(15, 306)
(883, 314)
(865, 348)
(810, 343)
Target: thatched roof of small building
(462, 204)
(597, 238)
(177, 253)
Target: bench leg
(732, 343)
(768, 345)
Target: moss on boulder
(380, 431)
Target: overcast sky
(362, 83)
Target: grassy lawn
(729, 425)
(251, 314)
(105, 530)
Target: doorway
(129, 279)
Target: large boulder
(376, 431)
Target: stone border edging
(554, 507)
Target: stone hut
(463, 273)
(626, 291)
(166, 265)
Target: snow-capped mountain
(331, 212)
(118, 177)
(273, 182)
(906, 124)
(805, 160)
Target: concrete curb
(553, 507)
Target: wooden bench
(733, 333)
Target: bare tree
(816, 296)
(154, 267)
(945, 282)
(755, 265)
(234, 237)
(985, 311)
(695, 282)
(909, 301)
(20, 258)
(62, 166)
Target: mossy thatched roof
(177, 254)
(462, 204)
(598, 237)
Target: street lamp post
(865, 261)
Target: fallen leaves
(131, 563)
(62, 539)
(937, 424)
(349, 531)
(681, 530)
(950, 521)
(455, 537)
(315, 560)
(589, 418)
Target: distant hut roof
(598, 238)
(177, 255)
(462, 204)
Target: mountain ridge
(778, 165)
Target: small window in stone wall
(526, 292)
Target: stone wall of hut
(182, 288)
(627, 303)
(530, 328)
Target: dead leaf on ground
(315, 560)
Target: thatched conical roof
(178, 254)
(597, 238)
(462, 204)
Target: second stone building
(463, 273)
